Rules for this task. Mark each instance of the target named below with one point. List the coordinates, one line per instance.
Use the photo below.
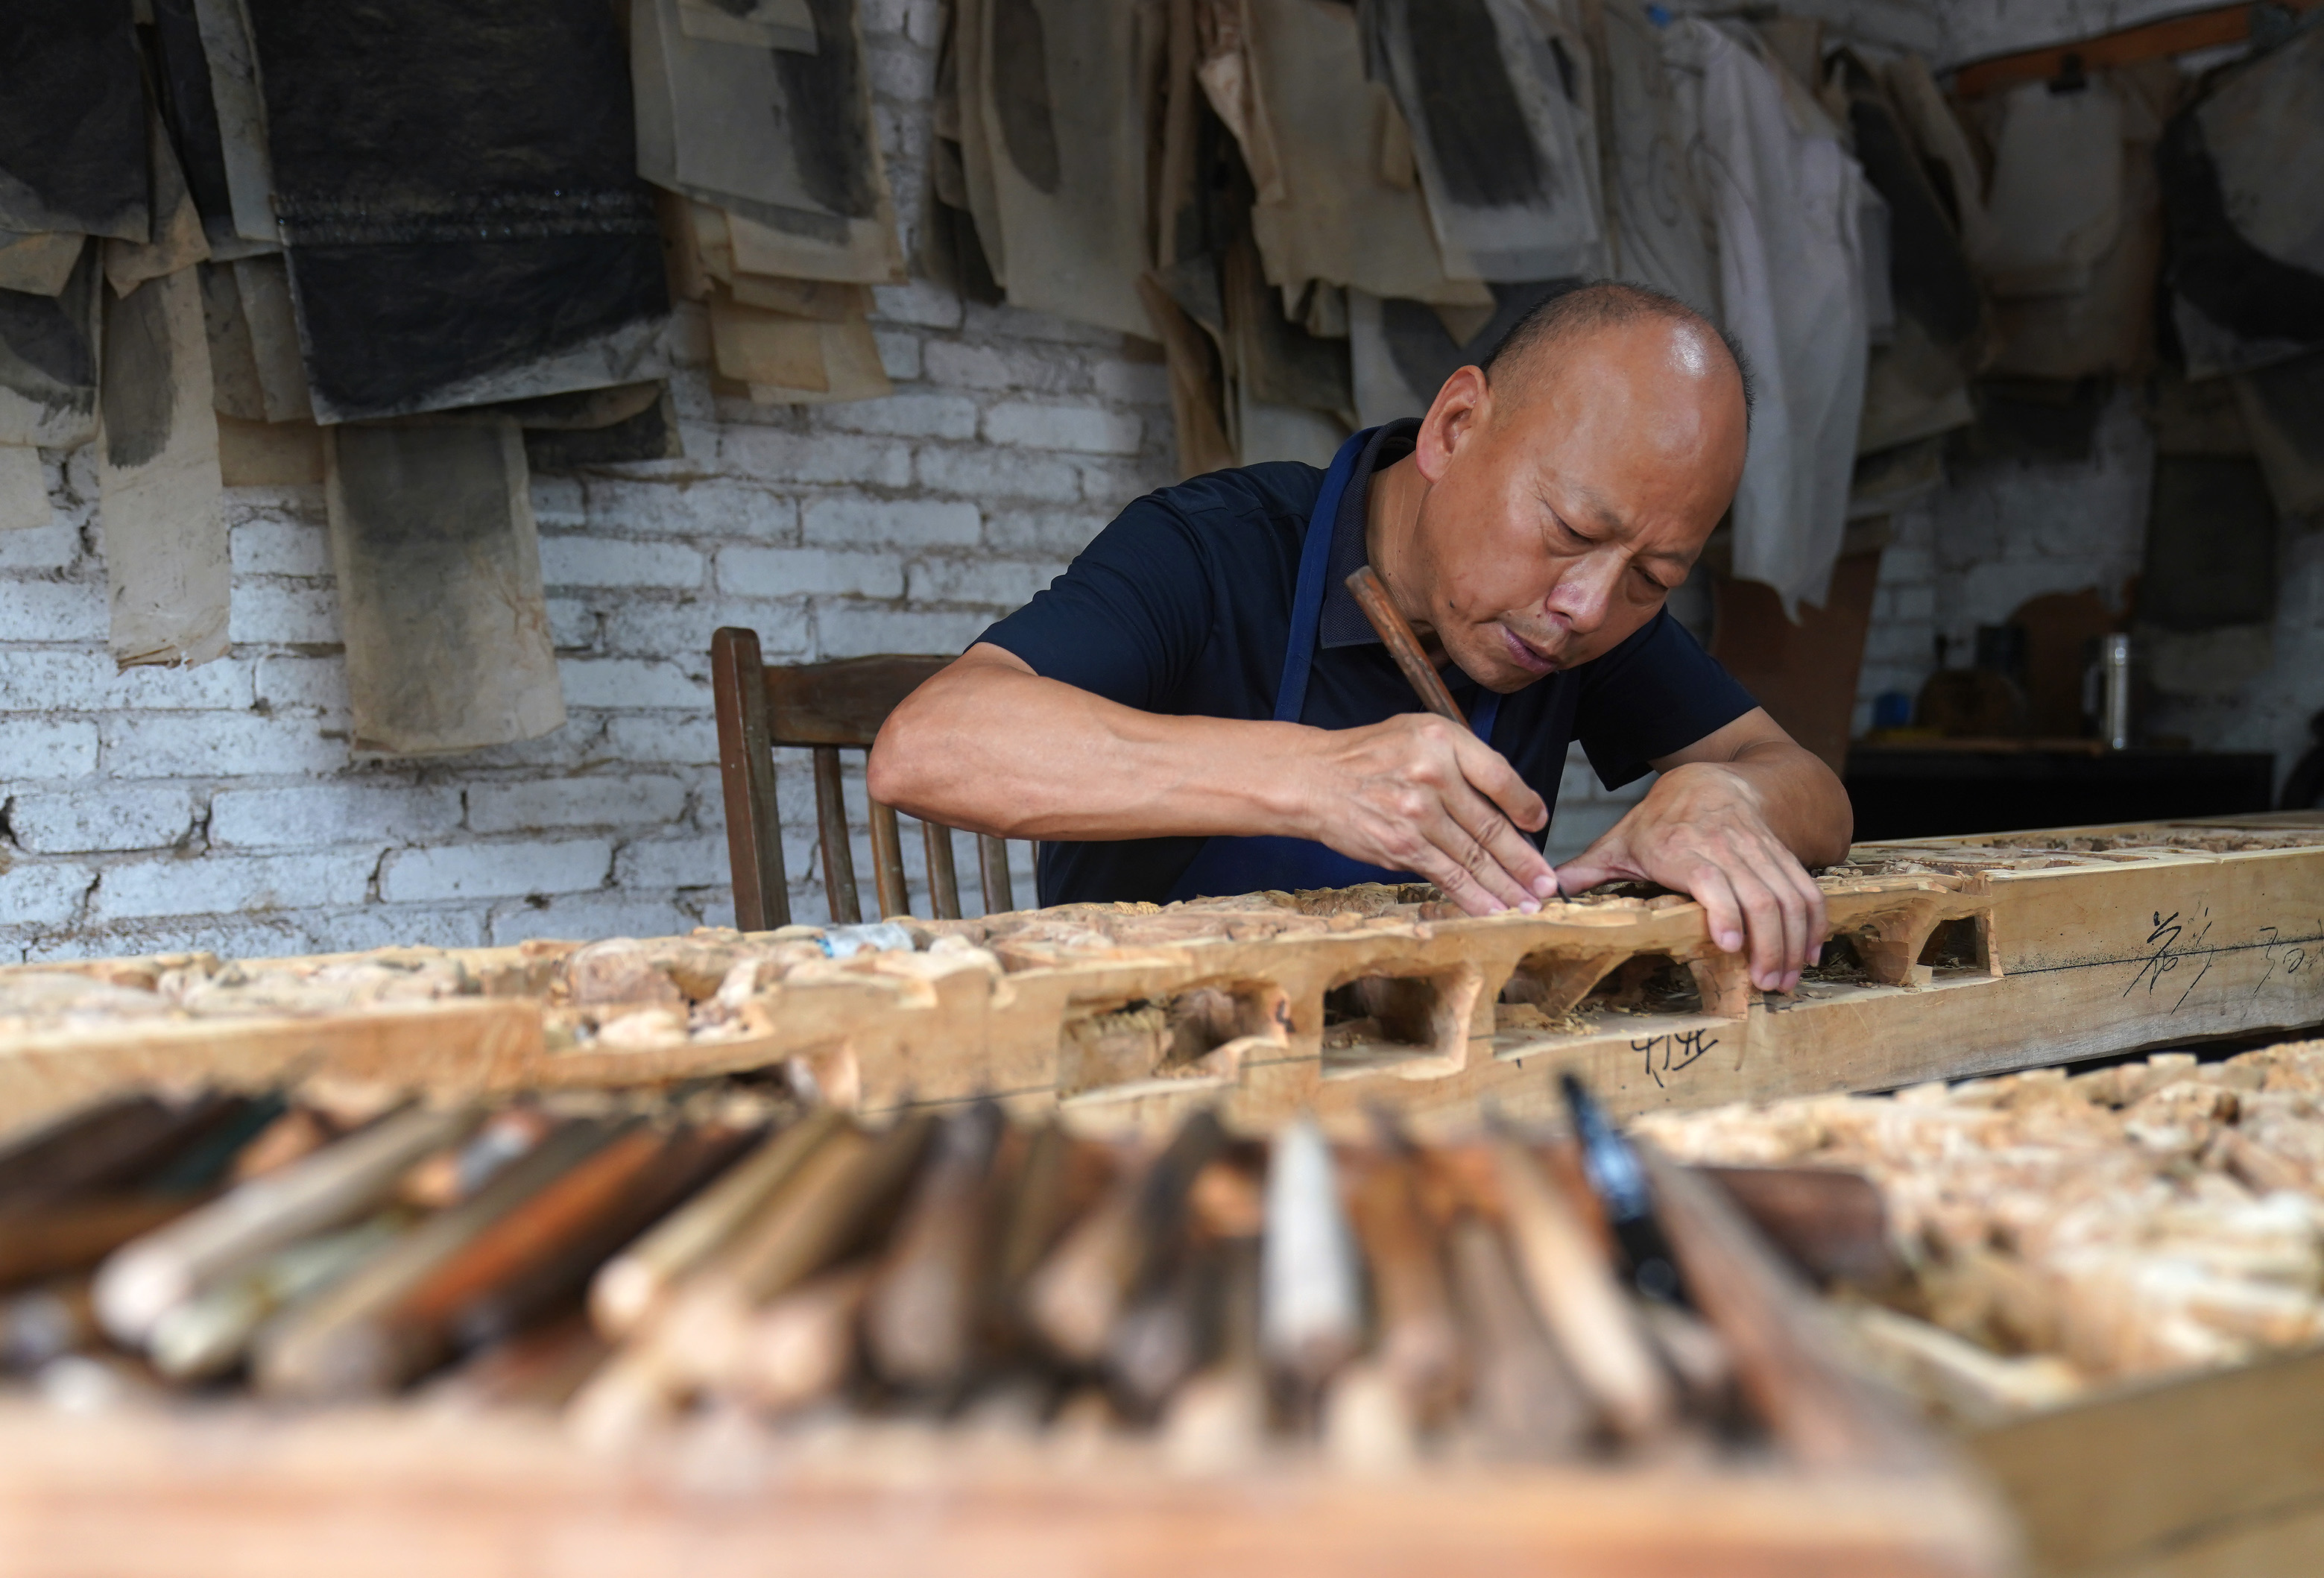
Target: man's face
(1569, 501)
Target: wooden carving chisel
(336, 1185)
(1115, 1251)
(560, 1275)
(1619, 1183)
(642, 1277)
(1782, 1338)
(337, 1346)
(41, 1242)
(1311, 1315)
(1404, 646)
(117, 1147)
(1524, 1401)
(1419, 1343)
(419, 1333)
(701, 1336)
(919, 1327)
(1573, 1285)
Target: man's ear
(1463, 406)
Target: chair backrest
(825, 707)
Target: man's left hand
(1703, 829)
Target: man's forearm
(993, 748)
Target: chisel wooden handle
(1782, 1340)
(919, 1324)
(1079, 1291)
(801, 1347)
(643, 1276)
(337, 1345)
(1831, 1221)
(116, 1146)
(76, 1235)
(1311, 1297)
(417, 1333)
(1419, 1345)
(1524, 1403)
(1404, 646)
(1573, 1284)
(320, 1191)
(560, 1276)
(823, 1211)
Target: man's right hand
(1420, 794)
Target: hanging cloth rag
(780, 139)
(456, 184)
(1495, 134)
(48, 359)
(2105, 327)
(2246, 237)
(1660, 235)
(1786, 200)
(2056, 197)
(440, 601)
(1917, 385)
(158, 488)
(72, 119)
(1068, 96)
(1347, 207)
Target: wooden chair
(827, 707)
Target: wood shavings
(2132, 1221)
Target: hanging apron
(1227, 864)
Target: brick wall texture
(220, 807)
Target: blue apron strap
(1307, 597)
(1483, 716)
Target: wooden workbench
(1971, 957)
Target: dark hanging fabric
(2223, 275)
(456, 184)
(1929, 271)
(48, 360)
(1424, 351)
(2210, 545)
(2032, 419)
(648, 434)
(1278, 361)
(181, 81)
(1483, 144)
(2282, 408)
(1021, 79)
(72, 119)
(831, 138)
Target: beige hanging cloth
(1346, 206)
(177, 240)
(780, 139)
(1068, 87)
(159, 495)
(2104, 325)
(440, 601)
(1661, 235)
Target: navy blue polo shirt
(1183, 606)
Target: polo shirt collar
(1342, 623)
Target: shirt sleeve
(1128, 616)
(1656, 693)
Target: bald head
(1556, 496)
(1548, 333)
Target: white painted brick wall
(219, 806)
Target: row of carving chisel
(1514, 1297)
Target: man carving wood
(1198, 707)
